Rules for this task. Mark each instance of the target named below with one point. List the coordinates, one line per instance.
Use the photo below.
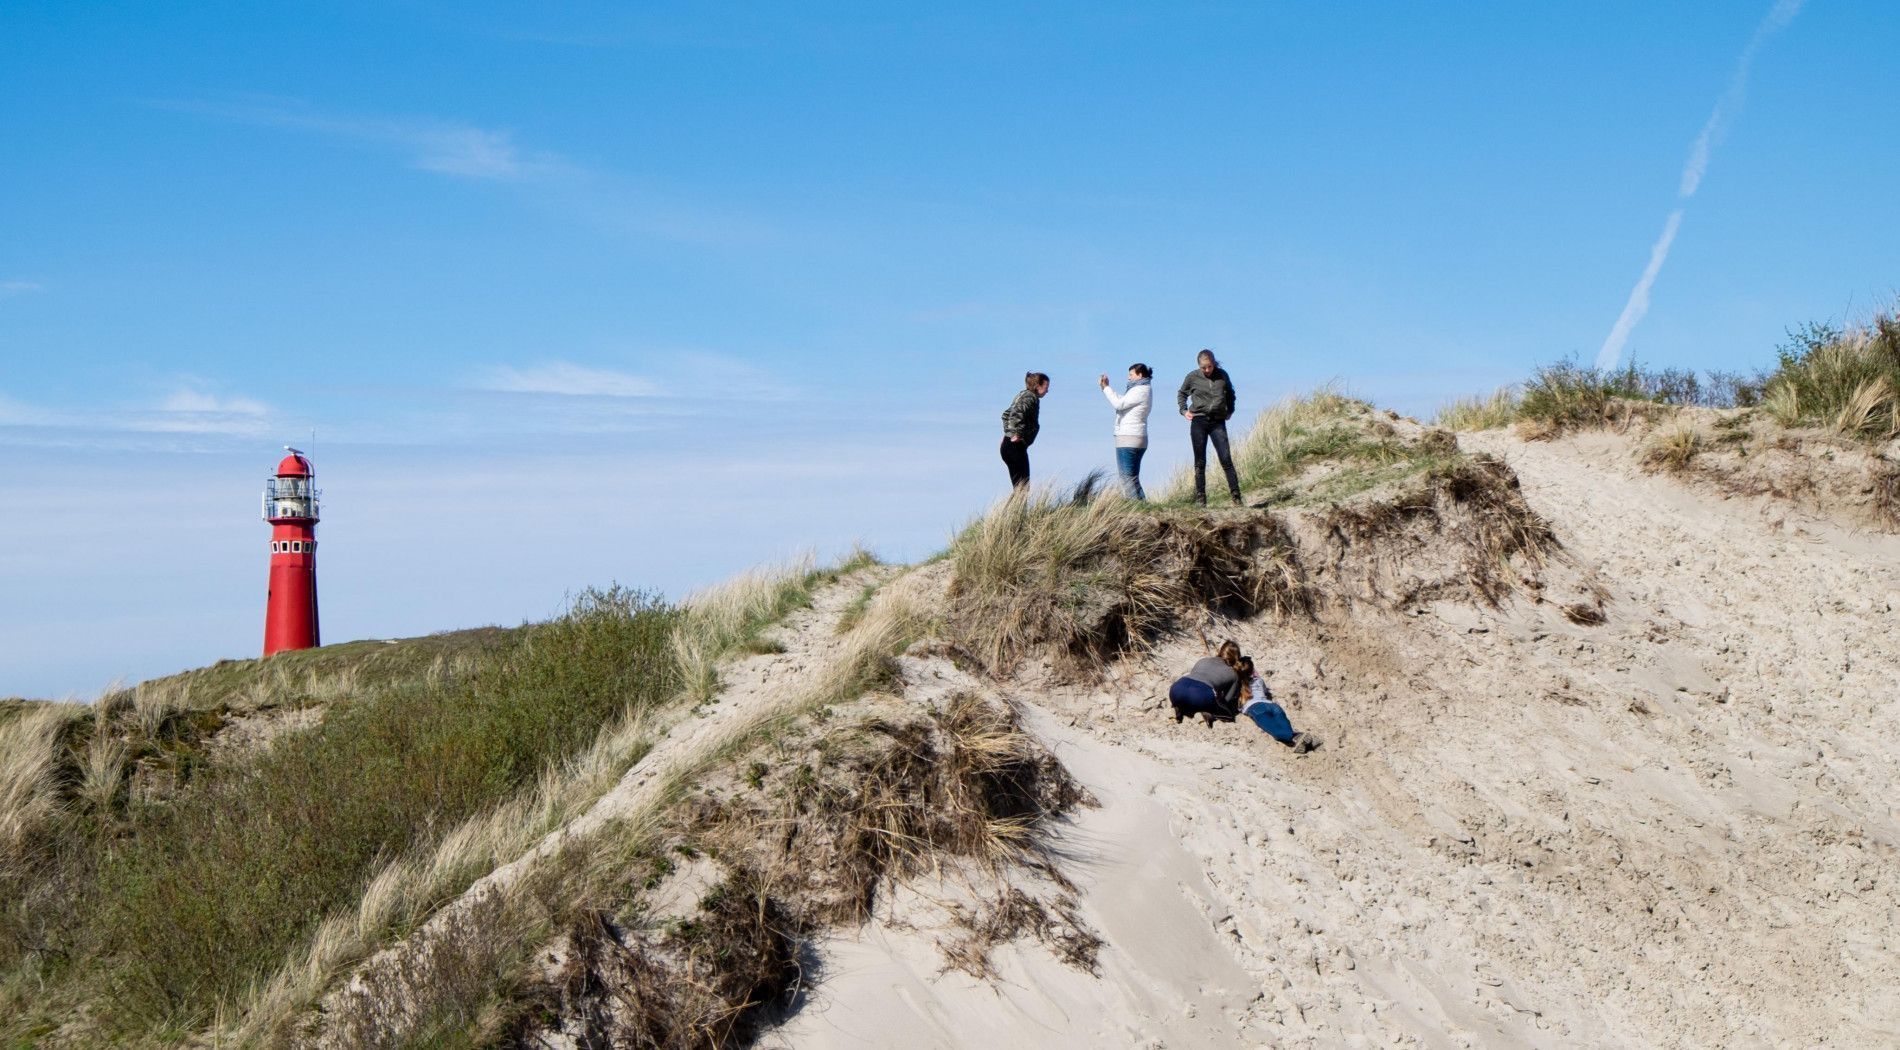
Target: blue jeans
(1272, 720)
(1201, 430)
(1191, 696)
(1128, 460)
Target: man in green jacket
(1207, 400)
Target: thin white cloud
(187, 410)
(9, 289)
(468, 151)
(197, 401)
(445, 147)
(571, 380)
(1693, 169)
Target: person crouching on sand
(1021, 422)
(1256, 702)
(1211, 688)
(1131, 425)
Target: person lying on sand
(1211, 688)
(1256, 702)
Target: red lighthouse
(290, 505)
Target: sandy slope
(1676, 829)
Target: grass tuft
(1673, 447)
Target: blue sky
(586, 293)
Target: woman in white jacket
(1131, 425)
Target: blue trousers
(1191, 696)
(1272, 720)
(1128, 461)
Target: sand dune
(1674, 829)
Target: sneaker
(1304, 742)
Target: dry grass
(837, 809)
(729, 616)
(1285, 439)
(1674, 446)
(1481, 413)
(458, 967)
(1459, 533)
(715, 623)
(30, 736)
(1095, 578)
(1886, 503)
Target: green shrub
(1842, 380)
(174, 911)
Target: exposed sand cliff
(1676, 828)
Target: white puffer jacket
(1131, 414)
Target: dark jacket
(1023, 417)
(1208, 396)
(1214, 672)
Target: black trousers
(1016, 458)
(1202, 431)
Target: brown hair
(1142, 370)
(1032, 380)
(1229, 653)
(1245, 669)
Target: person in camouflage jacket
(1021, 423)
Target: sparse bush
(1566, 395)
(1846, 380)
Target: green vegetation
(1847, 381)
(162, 865)
(480, 976)
(164, 910)
(1319, 449)
(1843, 380)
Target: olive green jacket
(1211, 397)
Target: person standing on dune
(1131, 425)
(1206, 399)
(1022, 420)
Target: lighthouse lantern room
(290, 505)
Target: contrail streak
(1693, 169)
(1638, 303)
